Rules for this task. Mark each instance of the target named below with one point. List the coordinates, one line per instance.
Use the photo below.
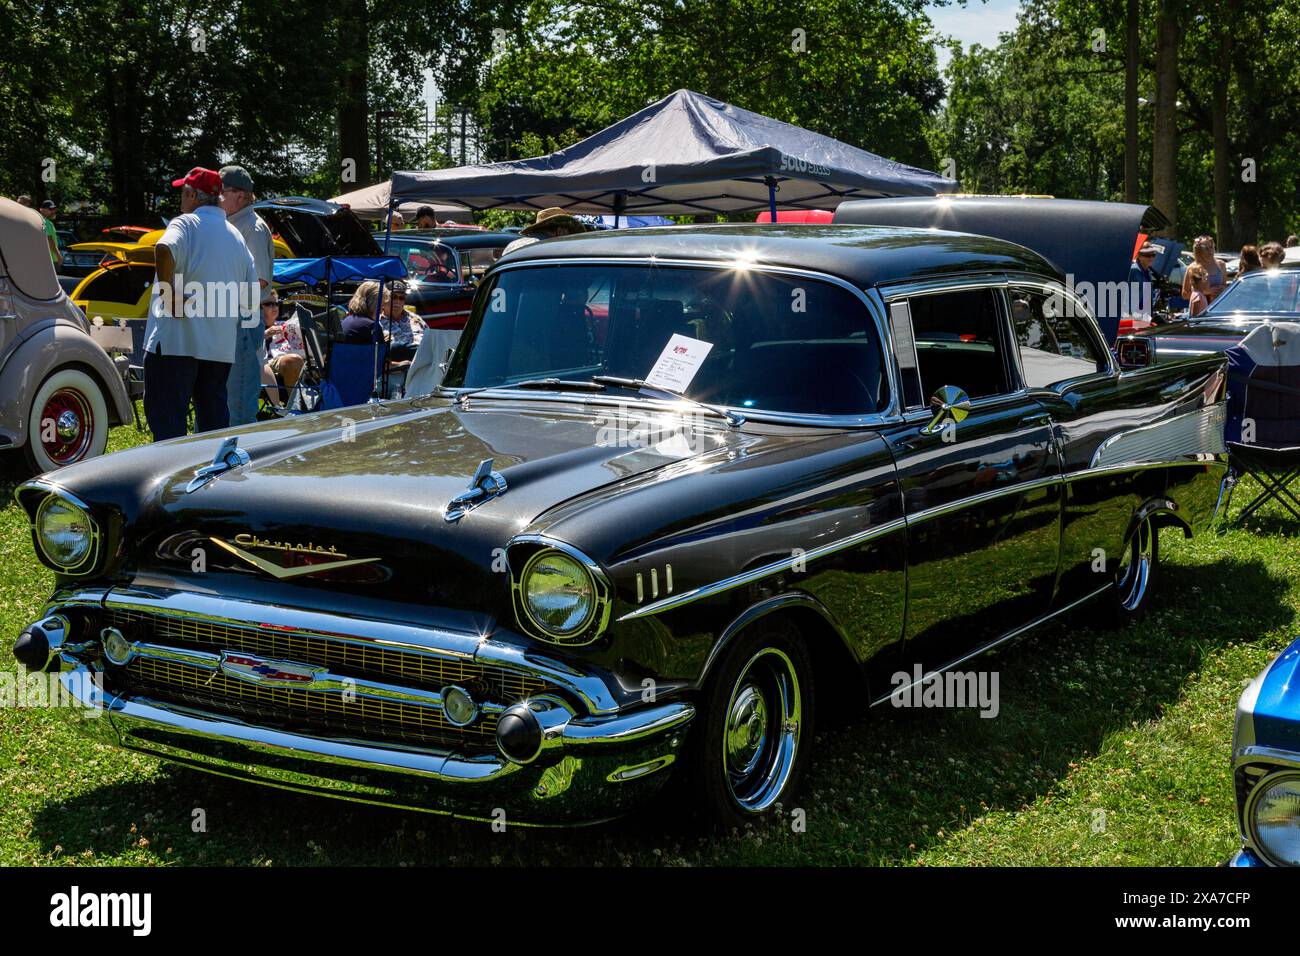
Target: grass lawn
(1111, 748)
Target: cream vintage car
(60, 391)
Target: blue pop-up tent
(687, 153)
(338, 269)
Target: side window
(959, 342)
(1054, 344)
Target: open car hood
(1087, 241)
(312, 228)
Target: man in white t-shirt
(206, 286)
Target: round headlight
(559, 593)
(65, 533)
(1275, 818)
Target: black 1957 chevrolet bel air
(542, 592)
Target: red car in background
(445, 267)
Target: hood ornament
(484, 486)
(228, 457)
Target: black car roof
(863, 255)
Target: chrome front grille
(179, 682)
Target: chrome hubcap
(1135, 567)
(68, 425)
(761, 736)
(746, 729)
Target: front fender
(45, 349)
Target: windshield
(427, 261)
(1276, 290)
(774, 342)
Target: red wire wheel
(73, 426)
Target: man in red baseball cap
(200, 180)
(206, 287)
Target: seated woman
(284, 349)
(403, 331)
(364, 307)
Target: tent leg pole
(771, 197)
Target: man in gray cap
(245, 381)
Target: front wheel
(67, 422)
(1136, 574)
(750, 746)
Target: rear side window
(1054, 344)
(959, 342)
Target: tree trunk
(1131, 147)
(1224, 235)
(1164, 140)
(354, 107)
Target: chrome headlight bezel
(90, 560)
(530, 551)
(1252, 805)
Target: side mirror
(949, 404)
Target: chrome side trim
(776, 567)
(1199, 431)
(984, 648)
(983, 497)
(757, 574)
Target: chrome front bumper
(592, 766)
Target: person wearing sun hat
(206, 287)
(548, 224)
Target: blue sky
(976, 22)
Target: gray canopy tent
(687, 153)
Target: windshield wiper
(734, 419)
(536, 385)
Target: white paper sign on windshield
(678, 363)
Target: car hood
(1276, 710)
(373, 482)
(312, 228)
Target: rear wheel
(750, 746)
(1136, 574)
(68, 421)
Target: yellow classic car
(119, 289)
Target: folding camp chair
(304, 396)
(1263, 424)
(350, 375)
